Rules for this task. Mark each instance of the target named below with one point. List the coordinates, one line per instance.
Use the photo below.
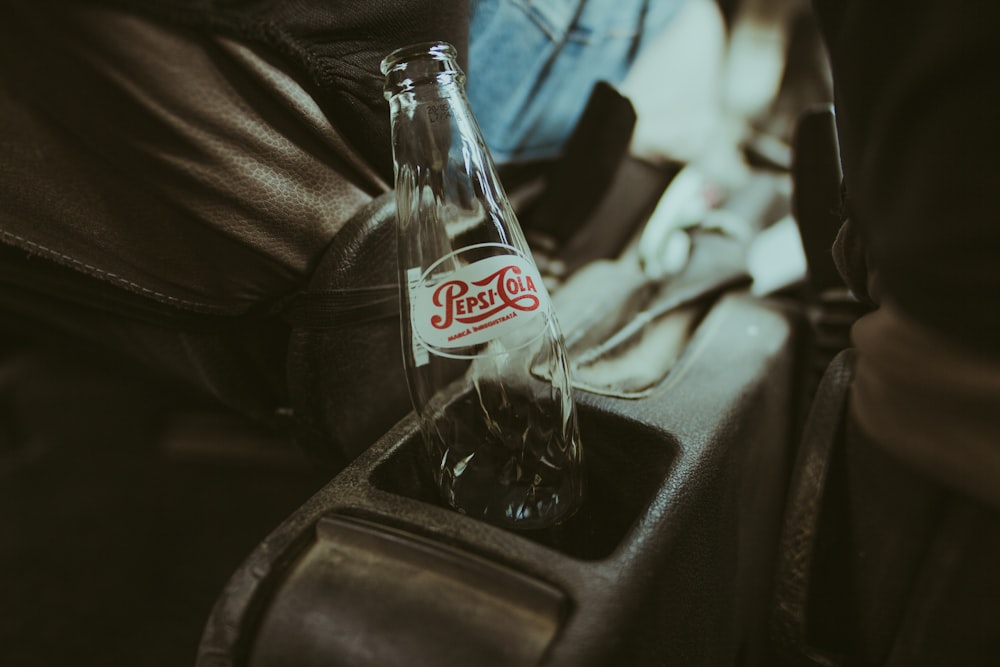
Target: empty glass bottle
(484, 356)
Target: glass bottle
(484, 356)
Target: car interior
(208, 451)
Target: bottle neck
(421, 69)
(429, 111)
(435, 105)
(445, 177)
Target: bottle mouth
(425, 62)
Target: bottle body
(484, 356)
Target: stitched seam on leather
(102, 273)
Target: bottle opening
(426, 62)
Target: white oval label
(477, 302)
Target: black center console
(668, 562)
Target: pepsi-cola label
(479, 302)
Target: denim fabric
(533, 63)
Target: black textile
(917, 88)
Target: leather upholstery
(192, 169)
(879, 564)
(164, 192)
(345, 365)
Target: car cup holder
(667, 562)
(621, 479)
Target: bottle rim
(398, 59)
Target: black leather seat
(878, 564)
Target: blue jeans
(533, 63)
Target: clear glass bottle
(485, 360)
